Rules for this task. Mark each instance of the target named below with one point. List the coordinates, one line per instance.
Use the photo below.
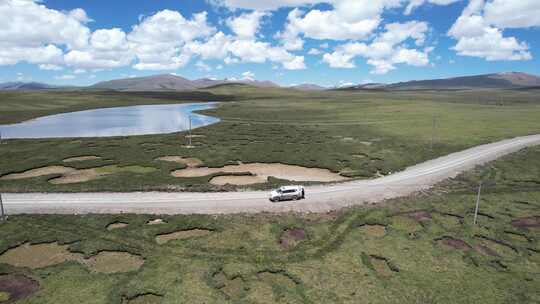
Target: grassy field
(421, 249)
(358, 134)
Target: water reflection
(123, 121)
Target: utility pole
(477, 202)
(2, 213)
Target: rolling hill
(488, 81)
(24, 86)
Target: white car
(287, 193)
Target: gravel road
(319, 199)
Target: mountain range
(169, 82)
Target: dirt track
(319, 198)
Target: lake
(120, 121)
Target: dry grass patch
(85, 175)
(276, 278)
(233, 289)
(16, 287)
(263, 171)
(405, 223)
(114, 262)
(373, 230)
(39, 255)
(239, 180)
(382, 266)
(117, 225)
(37, 172)
(81, 158)
(156, 222)
(181, 235)
(190, 162)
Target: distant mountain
(150, 83)
(170, 82)
(488, 81)
(308, 87)
(365, 86)
(24, 86)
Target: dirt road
(319, 198)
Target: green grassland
(240, 258)
(359, 134)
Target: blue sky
(327, 42)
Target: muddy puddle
(181, 235)
(527, 222)
(290, 238)
(500, 248)
(262, 171)
(14, 288)
(454, 243)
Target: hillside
(488, 81)
(24, 86)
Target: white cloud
(248, 75)
(413, 4)
(50, 67)
(262, 5)
(314, 52)
(477, 37)
(233, 50)
(513, 13)
(246, 25)
(30, 32)
(203, 66)
(65, 77)
(386, 50)
(158, 40)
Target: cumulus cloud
(386, 50)
(478, 37)
(413, 4)
(248, 75)
(265, 5)
(246, 25)
(158, 40)
(30, 32)
(513, 14)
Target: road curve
(319, 199)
